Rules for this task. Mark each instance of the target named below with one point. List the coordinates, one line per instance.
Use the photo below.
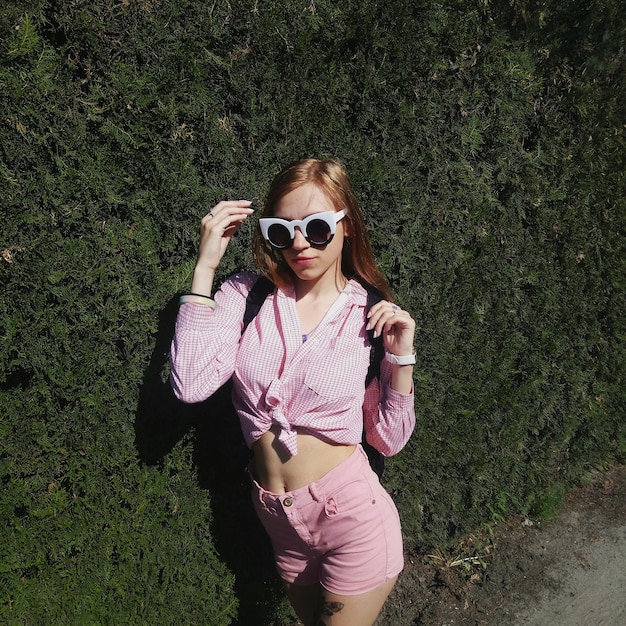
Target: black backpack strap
(259, 292)
(377, 352)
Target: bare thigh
(315, 606)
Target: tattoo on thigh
(327, 609)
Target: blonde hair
(330, 177)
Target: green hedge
(486, 142)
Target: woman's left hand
(395, 325)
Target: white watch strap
(407, 359)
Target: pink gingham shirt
(315, 387)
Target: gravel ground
(566, 572)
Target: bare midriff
(278, 474)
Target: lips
(303, 260)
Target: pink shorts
(342, 531)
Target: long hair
(330, 177)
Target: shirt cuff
(395, 399)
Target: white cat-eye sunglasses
(318, 229)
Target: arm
(388, 408)
(216, 230)
(206, 341)
(388, 415)
(205, 344)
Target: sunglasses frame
(330, 217)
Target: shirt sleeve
(388, 416)
(206, 341)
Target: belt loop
(315, 494)
(259, 492)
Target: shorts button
(288, 501)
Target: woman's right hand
(216, 230)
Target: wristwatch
(406, 359)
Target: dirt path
(567, 572)
(587, 580)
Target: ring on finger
(211, 213)
(395, 308)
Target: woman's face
(310, 262)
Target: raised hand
(396, 326)
(216, 230)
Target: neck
(328, 286)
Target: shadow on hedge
(221, 459)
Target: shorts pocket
(350, 500)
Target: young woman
(298, 374)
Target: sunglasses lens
(318, 232)
(278, 235)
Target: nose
(299, 242)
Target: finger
(228, 207)
(384, 305)
(380, 320)
(391, 322)
(400, 330)
(220, 220)
(382, 308)
(378, 308)
(231, 216)
(395, 322)
(233, 226)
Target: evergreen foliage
(486, 142)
